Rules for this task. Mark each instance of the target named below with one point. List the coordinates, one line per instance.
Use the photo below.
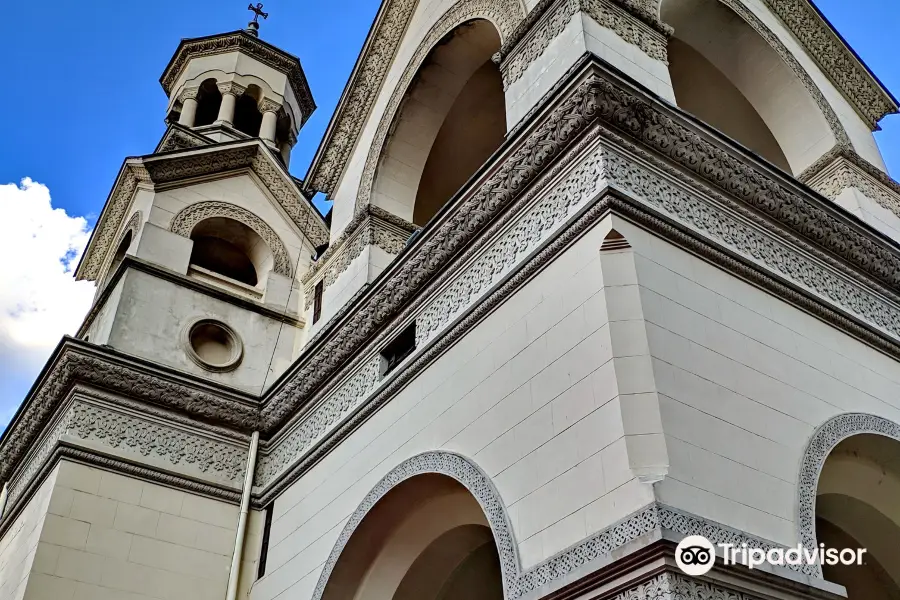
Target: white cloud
(39, 299)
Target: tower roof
(246, 42)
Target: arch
(823, 441)
(505, 15)
(127, 237)
(459, 469)
(187, 219)
(720, 45)
(247, 116)
(209, 99)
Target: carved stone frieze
(269, 105)
(174, 167)
(828, 435)
(243, 42)
(189, 93)
(315, 424)
(835, 59)
(231, 87)
(518, 582)
(180, 138)
(187, 218)
(365, 85)
(689, 208)
(76, 365)
(528, 232)
(843, 173)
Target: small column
(188, 107)
(230, 92)
(286, 147)
(269, 109)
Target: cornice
(598, 96)
(76, 362)
(824, 45)
(241, 41)
(179, 137)
(375, 60)
(174, 167)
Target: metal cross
(258, 12)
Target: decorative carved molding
(177, 137)
(835, 58)
(530, 230)
(828, 435)
(516, 582)
(188, 217)
(314, 424)
(269, 105)
(605, 12)
(675, 586)
(231, 87)
(600, 97)
(189, 93)
(242, 42)
(74, 364)
(377, 57)
(466, 473)
(375, 227)
(171, 168)
(849, 170)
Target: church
(599, 277)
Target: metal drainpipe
(231, 593)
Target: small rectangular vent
(317, 301)
(398, 349)
(264, 548)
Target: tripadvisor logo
(695, 555)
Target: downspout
(231, 593)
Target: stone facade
(626, 327)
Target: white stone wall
(19, 544)
(107, 536)
(743, 380)
(529, 395)
(870, 211)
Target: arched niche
(247, 117)
(433, 528)
(726, 73)
(849, 497)
(451, 119)
(209, 99)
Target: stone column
(230, 91)
(188, 107)
(269, 109)
(286, 147)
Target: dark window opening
(401, 347)
(208, 102)
(224, 258)
(317, 301)
(247, 118)
(264, 548)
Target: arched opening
(208, 101)
(231, 249)
(247, 118)
(426, 539)
(124, 245)
(452, 118)
(858, 506)
(726, 74)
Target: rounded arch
(126, 238)
(726, 65)
(462, 471)
(504, 15)
(189, 217)
(823, 441)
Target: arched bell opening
(725, 73)
(426, 539)
(231, 249)
(452, 118)
(209, 99)
(247, 117)
(858, 506)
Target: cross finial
(253, 26)
(258, 10)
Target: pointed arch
(505, 15)
(464, 472)
(828, 435)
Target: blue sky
(84, 94)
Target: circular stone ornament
(212, 345)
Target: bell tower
(200, 248)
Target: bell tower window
(230, 249)
(247, 118)
(209, 99)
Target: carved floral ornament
(174, 167)
(184, 222)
